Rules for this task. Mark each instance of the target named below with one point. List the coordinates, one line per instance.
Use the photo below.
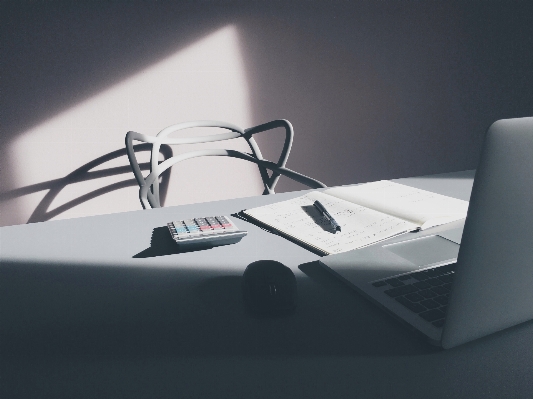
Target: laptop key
(394, 282)
(435, 281)
(379, 283)
(422, 285)
(419, 276)
(447, 278)
(430, 303)
(441, 290)
(414, 297)
(432, 315)
(415, 307)
(404, 277)
(427, 294)
(443, 300)
(406, 289)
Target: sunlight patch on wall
(205, 80)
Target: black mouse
(269, 288)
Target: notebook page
(424, 208)
(361, 226)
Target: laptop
(460, 282)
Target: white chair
(149, 185)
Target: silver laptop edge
(493, 282)
(493, 288)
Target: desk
(89, 308)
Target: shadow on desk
(100, 311)
(161, 244)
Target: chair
(149, 185)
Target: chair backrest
(149, 185)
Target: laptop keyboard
(424, 292)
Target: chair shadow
(43, 213)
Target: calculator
(205, 232)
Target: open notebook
(368, 213)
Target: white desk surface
(89, 308)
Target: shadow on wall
(84, 173)
(56, 56)
(203, 80)
(373, 90)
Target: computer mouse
(269, 288)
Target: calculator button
(212, 221)
(212, 230)
(224, 222)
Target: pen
(326, 214)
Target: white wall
(375, 90)
(204, 80)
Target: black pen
(326, 214)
